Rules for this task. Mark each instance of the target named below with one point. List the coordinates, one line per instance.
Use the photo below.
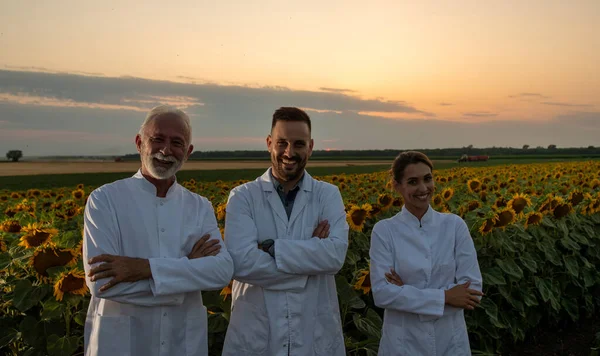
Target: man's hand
(463, 297)
(393, 278)
(204, 248)
(121, 268)
(322, 230)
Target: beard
(287, 174)
(158, 171)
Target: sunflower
(80, 186)
(77, 194)
(227, 290)
(561, 210)
(447, 194)
(595, 184)
(499, 203)
(487, 226)
(473, 204)
(221, 210)
(364, 281)
(357, 215)
(398, 202)
(505, 216)
(576, 197)
(3, 247)
(10, 226)
(533, 218)
(3, 197)
(437, 200)
(15, 195)
(48, 257)
(375, 210)
(36, 235)
(72, 282)
(385, 201)
(519, 202)
(474, 185)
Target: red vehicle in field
(466, 158)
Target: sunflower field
(536, 228)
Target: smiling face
(290, 147)
(416, 187)
(163, 147)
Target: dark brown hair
(290, 114)
(404, 159)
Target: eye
(428, 178)
(300, 144)
(281, 143)
(412, 181)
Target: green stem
(68, 321)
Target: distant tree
(14, 155)
(525, 147)
(590, 147)
(551, 147)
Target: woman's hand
(393, 278)
(463, 297)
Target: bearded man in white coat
(288, 236)
(150, 248)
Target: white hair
(172, 112)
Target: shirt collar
(411, 219)
(146, 185)
(278, 185)
(268, 181)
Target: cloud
(239, 118)
(480, 114)
(446, 104)
(529, 96)
(335, 90)
(46, 70)
(583, 119)
(556, 103)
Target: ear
(269, 141)
(189, 152)
(310, 147)
(138, 143)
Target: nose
(289, 151)
(166, 149)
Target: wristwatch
(269, 247)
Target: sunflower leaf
(62, 346)
(493, 276)
(510, 267)
(369, 325)
(5, 260)
(544, 287)
(571, 265)
(26, 296)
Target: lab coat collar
(146, 185)
(426, 220)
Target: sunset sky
(390, 74)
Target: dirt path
(32, 168)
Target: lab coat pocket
(196, 339)
(327, 332)
(248, 329)
(110, 336)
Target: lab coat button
(165, 314)
(161, 203)
(162, 230)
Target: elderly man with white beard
(150, 248)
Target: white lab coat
(290, 301)
(429, 256)
(163, 315)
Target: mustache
(162, 157)
(295, 159)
